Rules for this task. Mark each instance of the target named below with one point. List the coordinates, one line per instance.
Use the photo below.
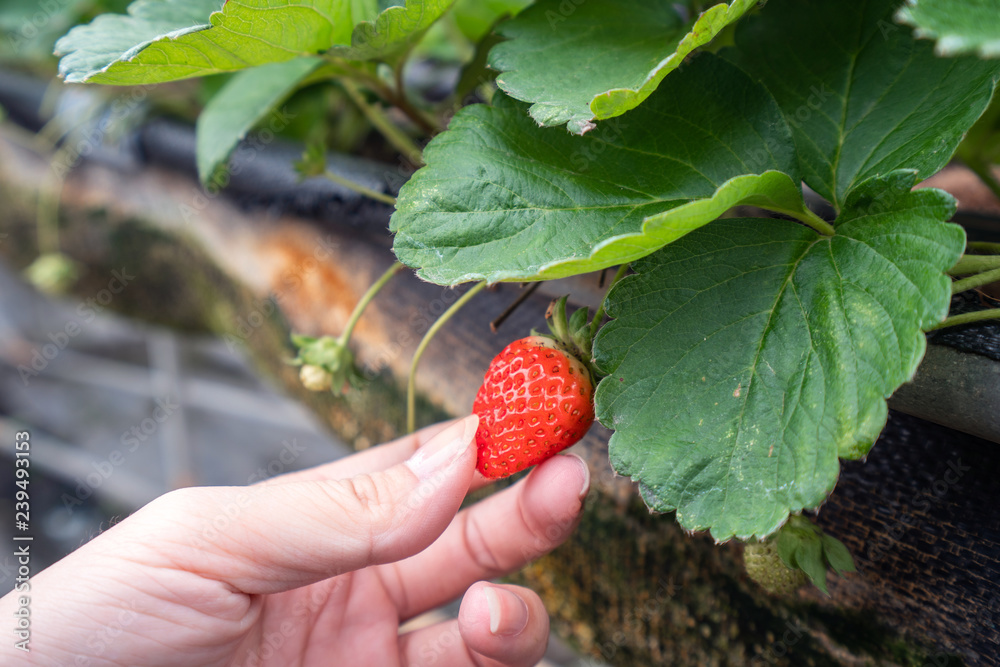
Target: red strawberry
(536, 400)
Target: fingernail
(585, 489)
(444, 449)
(508, 613)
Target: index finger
(367, 461)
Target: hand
(318, 567)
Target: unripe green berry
(764, 566)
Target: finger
(271, 538)
(493, 537)
(496, 625)
(374, 459)
(368, 461)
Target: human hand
(318, 567)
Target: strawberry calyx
(573, 334)
(327, 364)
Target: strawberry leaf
(746, 357)
(502, 199)
(395, 30)
(959, 26)
(165, 40)
(476, 18)
(863, 96)
(576, 62)
(244, 101)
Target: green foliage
(502, 199)
(165, 40)
(246, 99)
(576, 62)
(863, 97)
(803, 546)
(746, 357)
(327, 364)
(393, 33)
(28, 31)
(475, 18)
(959, 26)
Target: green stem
(360, 189)
(359, 309)
(978, 280)
(337, 68)
(984, 246)
(968, 318)
(807, 217)
(595, 325)
(974, 264)
(411, 387)
(393, 134)
(402, 100)
(49, 198)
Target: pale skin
(318, 567)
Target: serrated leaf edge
(947, 44)
(705, 28)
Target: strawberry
(536, 400)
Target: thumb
(275, 537)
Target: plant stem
(978, 280)
(359, 309)
(411, 387)
(812, 220)
(968, 318)
(984, 246)
(401, 100)
(968, 264)
(394, 135)
(49, 199)
(360, 189)
(595, 325)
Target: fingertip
(584, 471)
(504, 623)
(445, 449)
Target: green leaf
(394, 32)
(959, 26)
(837, 555)
(243, 102)
(744, 358)
(475, 18)
(809, 559)
(502, 199)
(576, 62)
(28, 31)
(165, 40)
(863, 97)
